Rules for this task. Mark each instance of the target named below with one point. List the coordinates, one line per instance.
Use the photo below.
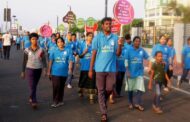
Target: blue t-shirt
(18, 40)
(26, 41)
(51, 46)
(121, 60)
(172, 52)
(42, 42)
(186, 56)
(85, 61)
(126, 45)
(70, 44)
(165, 52)
(135, 61)
(60, 59)
(1, 45)
(106, 47)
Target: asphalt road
(14, 106)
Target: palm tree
(180, 11)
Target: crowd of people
(106, 60)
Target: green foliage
(74, 29)
(180, 10)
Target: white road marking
(177, 89)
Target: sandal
(139, 107)
(104, 118)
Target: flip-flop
(104, 118)
(139, 107)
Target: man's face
(128, 41)
(69, 36)
(73, 38)
(137, 43)
(106, 26)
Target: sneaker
(54, 105)
(60, 104)
(69, 86)
(166, 89)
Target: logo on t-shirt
(112, 43)
(141, 52)
(64, 53)
(166, 49)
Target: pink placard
(115, 26)
(123, 12)
(46, 31)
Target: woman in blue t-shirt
(185, 62)
(135, 71)
(60, 62)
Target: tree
(135, 23)
(179, 10)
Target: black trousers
(119, 81)
(184, 75)
(58, 88)
(86, 82)
(170, 73)
(18, 46)
(6, 51)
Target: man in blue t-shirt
(128, 41)
(18, 40)
(51, 45)
(106, 47)
(25, 41)
(70, 46)
(185, 62)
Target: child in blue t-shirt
(60, 63)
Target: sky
(32, 14)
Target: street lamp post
(106, 8)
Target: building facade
(159, 20)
